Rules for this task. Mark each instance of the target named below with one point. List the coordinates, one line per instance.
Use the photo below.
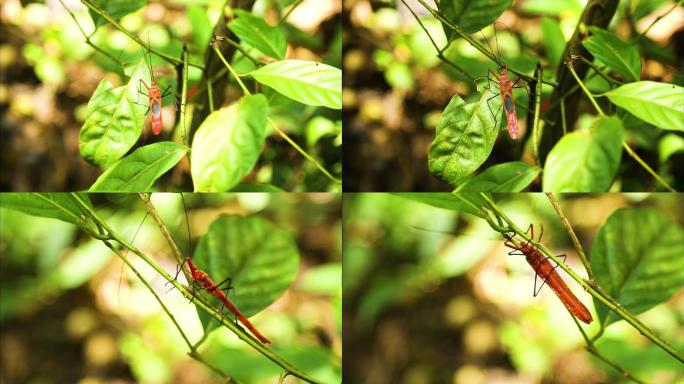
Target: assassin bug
(200, 277)
(154, 95)
(543, 268)
(503, 82)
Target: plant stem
(568, 228)
(586, 91)
(184, 96)
(537, 108)
(648, 169)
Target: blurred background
(432, 296)
(72, 313)
(395, 86)
(48, 73)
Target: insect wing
(155, 108)
(511, 116)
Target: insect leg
(536, 291)
(490, 108)
(229, 280)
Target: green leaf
(637, 259)
(115, 8)
(228, 143)
(464, 138)
(254, 31)
(553, 41)
(261, 259)
(660, 104)
(469, 202)
(114, 121)
(585, 161)
(471, 15)
(60, 206)
(567, 8)
(308, 82)
(669, 145)
(621, 57)
(201, 26)
(505, 177)
(138, 171)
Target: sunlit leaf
(228, 144)
(114, 121)
(586, 160)
(660, 104)
(464, 138)
(308, 82)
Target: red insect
(155, 97)
(506, 92)
(503, 82)
(543, 267)
(201, 277)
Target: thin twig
(568, 228)
(537, 109)
(657, 19)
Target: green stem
(199, 301)
(184, 95)
(537, 108)
(573, 237)
(600, 295)
(586, 91)
(214, 45)
(648, 169)
(562, 111)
